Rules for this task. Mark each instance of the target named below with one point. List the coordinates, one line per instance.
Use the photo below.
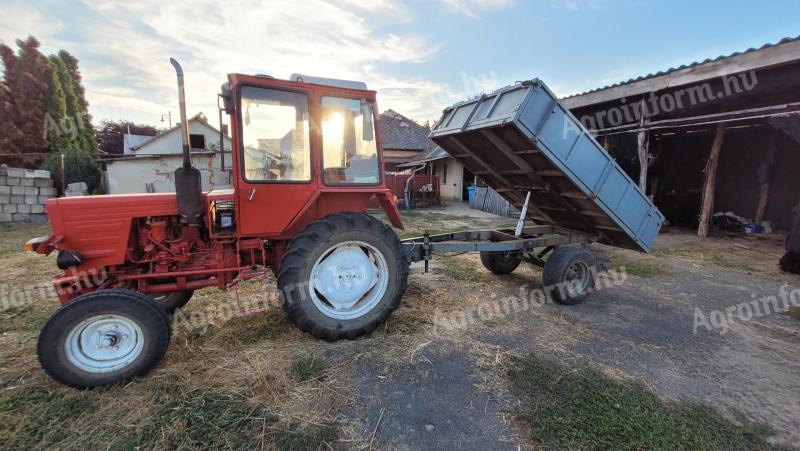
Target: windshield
(349, 145)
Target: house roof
(432, 153)
(199, 117)
(130, 141)
(401, 133)
(784, 51)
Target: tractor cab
(302, 148)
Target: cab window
(275, 135)
(349, 144)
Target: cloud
(124, 49)
(20, 19)
(471, 8)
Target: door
(276, 169)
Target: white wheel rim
(104, 343)
(577, 278)
(349, 280)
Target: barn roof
(770, 54)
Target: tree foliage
(24, 90)
(42, 105)
(110, 134)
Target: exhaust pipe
(188, 189)
(187, 159)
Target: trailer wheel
(342, 276)
(569, 274)
(501, 262)
(170, 302)
(102, 338)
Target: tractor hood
(98, 227)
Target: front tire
(102, 338)
(342, 276)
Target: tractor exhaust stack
(187, 179)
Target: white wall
(451, 190)
(134, 174)
(171, 141)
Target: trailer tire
(103, 337)
(343, 254)
(569, 274)
(501, 262)
(170, 302)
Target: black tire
(134, 307)
(501, 262)
(557, 274)
(790, 262)
(311, 245)
(170, 302)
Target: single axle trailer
(568, 274)
(307, 158)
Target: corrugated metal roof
(433, 152)
(686, 66)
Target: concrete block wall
(23, 193)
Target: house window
(197, 141)
(444, 174)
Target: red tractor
(307, 158)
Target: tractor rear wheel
(103, 337)
(569, 274)
(342, 276)
(172, 301)
(501, 262)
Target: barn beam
(711, 179)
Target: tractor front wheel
(342, 276)
(102, 338)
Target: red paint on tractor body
(138, 241)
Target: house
(403, 139)
(454, 178)
(149, 162)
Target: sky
(420, 56)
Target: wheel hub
(104, 343)
(349, 280)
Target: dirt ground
(427, 379)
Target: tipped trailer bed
(526, 145)
(522, 139)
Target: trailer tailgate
(521, 138)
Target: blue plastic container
(471, 195)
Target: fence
(488, 200)
(424, 188)
(23, 193)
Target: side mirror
(368, 131)
(226, 95)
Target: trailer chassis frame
(531, 238)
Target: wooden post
(641, 138)
(711, 177)
(763, 195)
